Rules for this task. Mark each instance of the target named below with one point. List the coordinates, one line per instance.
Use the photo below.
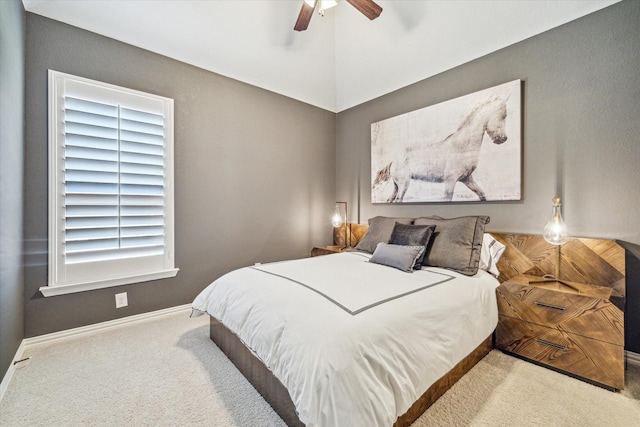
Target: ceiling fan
(367, 7)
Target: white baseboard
(55, 336)
(632, 358)
(83, 330)
(4, 385)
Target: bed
(358, 338)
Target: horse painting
(448, 161)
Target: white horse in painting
(451, 160)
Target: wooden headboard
(593, 261)
(355, 232)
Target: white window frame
(66, 277)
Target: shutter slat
(88, 141)
(79, 164)
(91, 154)
(90, 188)
(91, 245)
(131, 189)
(88, 211)
(90, 130)
(92, 234)
(139, 148)
(142, 127)
(139, 231)
(138, 179)
(145, 159)
(91, 199)
(142, 116)
(89, 118)
(91, 222)
(142, 169)
(144, 200)
(141, 210)
(87, 177)
(101, 255)
(73, 103)
(144, 241)
(136, 221)
(143, 138)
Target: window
(110, 186)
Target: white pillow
(490, 253)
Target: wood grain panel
(591, 359)
(592, 261)
(586, 315)
(355, 232)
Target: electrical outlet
(121, 300)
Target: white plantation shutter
(111, 167)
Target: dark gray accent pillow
(380, 229)
(401, 257)
(412, 235)
(456, 244)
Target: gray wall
(581, 127)
(12, 27)
(255, 173)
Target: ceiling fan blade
(367, 7)
(305, 16)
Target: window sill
(50, 291)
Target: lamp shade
(337, 219)
(555, 232)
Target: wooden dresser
(578, 331)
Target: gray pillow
(412, 235)
(456, 244)
(380, 230)
(401, 257)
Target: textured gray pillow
(380, 229)
(456, 244)
(397, 256)
(412, 235)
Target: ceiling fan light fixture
(322, 4)
(368, 8)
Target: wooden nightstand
(326, 250)
(578, 332)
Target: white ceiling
(342, 60)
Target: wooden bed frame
(274, 392)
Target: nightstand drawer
(584, 315)
(593, 359)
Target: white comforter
(355, 343)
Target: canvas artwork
(463, 150)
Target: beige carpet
(166, 372)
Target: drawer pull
(553, 307)
(550, 344)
